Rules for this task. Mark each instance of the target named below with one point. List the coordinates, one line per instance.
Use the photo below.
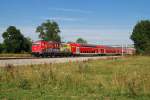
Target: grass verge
(15, 55)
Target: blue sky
(98, 21)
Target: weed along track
(32, 61)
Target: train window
(36, 44)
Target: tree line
(15, 42)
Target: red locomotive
(44, 48)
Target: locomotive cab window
(35, 44)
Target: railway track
(33, 61)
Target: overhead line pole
(122, 49)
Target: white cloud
(72, 10)
(62, 18)
(29, 31)
(2, 29)
(100, 36)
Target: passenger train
(50, 49)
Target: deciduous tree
(1, 48)
(49, 31)
(141, 37)
(14, 41)
(81, 40)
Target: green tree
(81, 40)
(141, 37)
(14, 41)
(49, 31)
(27, 43)
(1, 48)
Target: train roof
(45, 41)
(87, 45)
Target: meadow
(126, 78)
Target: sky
(108, 22)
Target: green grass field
(118, 79)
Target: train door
(102, 51)
(99, 51)
(77, 50)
